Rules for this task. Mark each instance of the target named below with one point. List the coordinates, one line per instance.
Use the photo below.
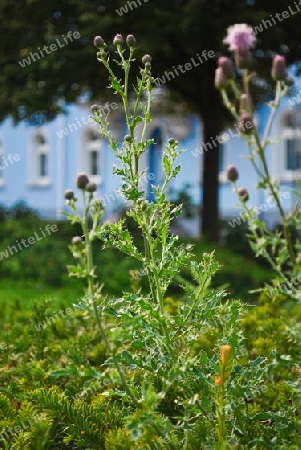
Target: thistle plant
(278, 248)
(168, 362)
(160, 368)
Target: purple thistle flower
(240, 36)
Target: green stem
(88, 247)
(260, 148)
(235, 89)
(138, 98)
(228, 104)
(188, 315)
(252, 158)
(246, 82)
(127, 66)
(157, 293)
(91, 294)
(118, 367)
(148, 108)
(268, 257)
(222, 430)
(272, 115)
(276, 198)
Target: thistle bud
(143, 204)
(95, 109)
(82, 180)
(99, 42)
(128, 138)
(279, 68)
(100, 54)
(90, 187)
(98, 204)
(218, 381)
(243, 194)
(146, 59)
(243, 58)
(289, 81)
(69, 195)
(232, 173)
(77, 240)
(225, 353)
(130, 40)
(220, 80)
(172, 141)
(246, 124)
(227, 67)
(118, 39)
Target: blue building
(37, 164)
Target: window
(91, 157)
(39, 160)
(293, 154)
(292, 145)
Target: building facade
(37, 164)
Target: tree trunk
(211, 123)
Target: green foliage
(143, 370)
(188, 386)
(45, 262)
(183, 197)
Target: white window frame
(88, 146)
(36, 150)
